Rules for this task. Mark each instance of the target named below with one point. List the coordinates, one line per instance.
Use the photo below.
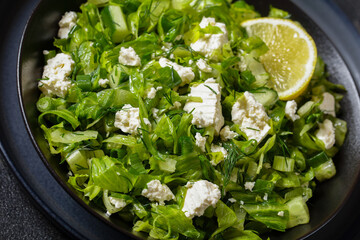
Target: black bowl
(329, 197)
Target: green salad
(168, 116)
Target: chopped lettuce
(264, 186)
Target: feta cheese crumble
(155, 113)
(176, 106)
(290, 110)
(117, 202)
(67, 22)
(328, 104)
(211, 43)
(232, 200)
(208, 112)
(158, 192)
(280, 213)
(151, 92)
(216, 149)
(203, 66)
(227, 134)
(249, 186)
(200, 141)
(104, 82)
(326, 133)
(56, 75)
(186, 73)
(265, 197)
(251, 116)
(128, 56)
(199, 197)
(128, 119)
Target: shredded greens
(265, 185)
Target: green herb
(210, 89)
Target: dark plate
(337, 43)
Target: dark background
(20, 218)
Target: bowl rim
(80, 201)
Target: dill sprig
(283, 146)
(169, 98)
(254, 129)
(234, 154)
(210, 89)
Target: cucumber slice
(78, 162)
(266, 96)
(114, 19)
(298, 212)
(305, 109)
(283, 164)
(325, 171)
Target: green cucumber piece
(298, 212)
(265, 96)
(283, 164)
(305, 109)
(78, 162)
(114, 19)
(325, 171)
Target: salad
(190, 119)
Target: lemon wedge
(292, 54)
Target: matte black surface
(19, 144)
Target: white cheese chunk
(217, 148)
(211, 43)
(176, 106)
(151, 92)
(203, 66)
(266, 196)
(158, 192)
(147, 121)
(290, 110)
(199, 197)
(104, 82)
(328, 104)
(56, 73)
(128, 56)
(251, 116)
(208, 112)
(281, 213)
(326, 133)
(67, 22)
(186, 73)
(117, 202)
(249, 186)
(226, 134)
(155, 113)
(128, 119)
(200, 141)
(232, 200)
